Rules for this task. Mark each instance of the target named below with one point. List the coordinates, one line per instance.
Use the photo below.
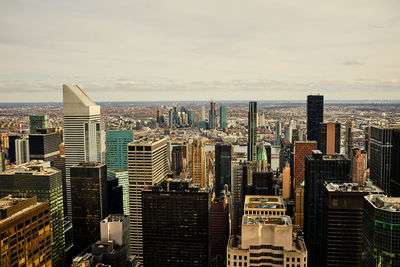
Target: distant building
(219, 229)
(45, 183)
(319, 169)
(44, 144)
(177, 160)
(38, 122)
(381, 221)
(315, 116)
(11, 147)
(301, 149)
(385, 158)
(147, 160)
(117, 149)
(278, 132)
(223, 159)
(343, 223)
(176, 224)
(358, 166)
(348, 141)
(198, 168)
(212, 116)
(263, 164)
(299, 205)
(329, 138)
(222, 117)
(267, 236)
(21, 151)
(252, 132)
(263, 183)
(89, 202)
(25, 234)
(2, 161)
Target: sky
(200, 50)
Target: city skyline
(186, 51)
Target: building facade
(252, 132)
(38, 122)
(44, 144)
(315, 116)
(223, 159)
(222, 117)
(117, 149)
(330, 138)
(198, 167)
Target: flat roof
(276, 220)
(384, 202)
(263, 202)
(352, 187)
(31, 168)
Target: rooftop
(384, 202)
(148, 141)
(35, 167)
(276, 220)
(114, 218)
(352, 187)
(263, 202)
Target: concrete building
(25, 234)
(286, 183)
(198, 167)
(329, 138)
(358, 166)
(83, 132)
(21, 151)
(267, 236)
(115, 227)
(147, 161)
(301, 149)
(299, 205)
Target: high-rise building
(123, 181)
(223, 159)
(267, 236)
(89, 192)
(2, 161)
(315, 116)
(262, 159)
(278, 132)
(147, 160)
(252, 132)
(44, 182)
(299, 205)
(329, 138)
(25, 234)
(301, 149)
(203, 113)
(21, 151)
(44, 144)
(261, 120)
(117, 149)
(83, 132)
(38, 122)
(385, 158)
(348, 143)
(358, 166)
(320, 168)
(286, 182)
(212, 116)
(222, 117)
(177, 160)
(219, 229)
(381, 235)
(343, 223)
(198, 168)
(115, 227)
(11, 147)
(176, 224)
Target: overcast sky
(198, 50)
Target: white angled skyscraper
(83, 132)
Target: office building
(267, 236)
(263, 164)
(385, 158)
(252, 132)
(299, 205)
(348, 143)
(21, 151)
(38, 122)
(147, 159)
(219, 229)
(212, 116)
(278, 132)
(115, 199)
(117, 149)
(123, 181)
(238, 193)
(315, 116)
(2, 161)
(320, 168)
(222, 117)
(11, 147)
(381, 238)
(301, 149)
(25, 234)
(223, 159)
(198, 167)
(286, 182)
(44, 182)
(89, 193)
(329, 138)
(358, 166)
(177, 160)
(44, 144)
(343, 223)
(115, 227)
(262, 184)
(83, 132)
(172, 210)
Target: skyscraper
(315, 116)
(278, 132)
(385, 158)
(381, 235)
(117, 149)
(176, 224)
(21, 151)
(177, 160)
(38, 122)
(252, 132)
(342, 223)
(222, 117)
(348, 143)
(262, 159)
(319, 169)
(358, 166)
(147, 160)
(329, 138)
(301, 149)
(83, 132)
(212, 116)
(44, 144)
(123, 181)
(219, 228)
(198, 163)
(46, 184)
(89, 202)
(223, 159)
(25, 234)
(203, 113)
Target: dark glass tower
(212, 116)
(177, 160)
(252, 132)
(176, 224)
(319, 169)
(89, 202)
(385, 159)
(315, 116)
(44, 144)
(223, 159)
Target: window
(298, 259)
(234, 257)
(240, 257)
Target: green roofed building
(117, 144)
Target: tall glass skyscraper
(38, 122)
(252, 132)
(315, 116)
(222, 117)
(117, 149)
(212, 116)
(223, 159)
